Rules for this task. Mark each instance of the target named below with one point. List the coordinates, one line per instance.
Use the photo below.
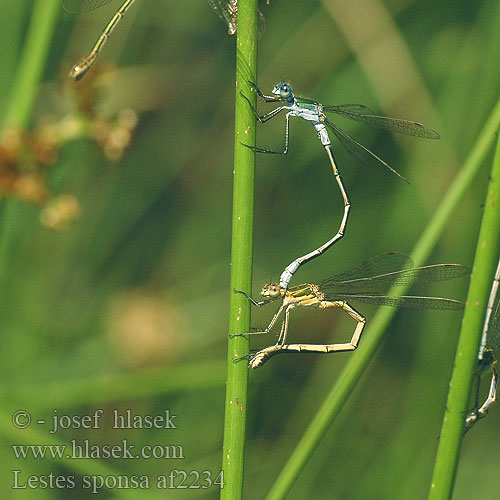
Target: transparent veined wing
(380, 264)
(75, 6)
(359, 109)
(359, 152)
(360, 113)
(413, 301)
(379, 284)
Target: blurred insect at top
(226, 10)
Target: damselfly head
(270, 290)
(283, 89)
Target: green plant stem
(485, 261)
(241, 252)
(32, 63)
(376, 328)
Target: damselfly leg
(489, 350)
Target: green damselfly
(227, 10)
(368, 282)
(314, 113)
(489, 352)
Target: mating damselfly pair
(367, 282)
(227, 10)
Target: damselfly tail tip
(470, 421)
(256, 362)
(79, 70)
(258, 359)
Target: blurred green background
(126, 306)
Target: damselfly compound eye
(270, 290)
(285, 90)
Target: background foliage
(127, 306)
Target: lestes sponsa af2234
(227, 10)
(368, 282)
(314, 113)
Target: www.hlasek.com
(85, 449)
